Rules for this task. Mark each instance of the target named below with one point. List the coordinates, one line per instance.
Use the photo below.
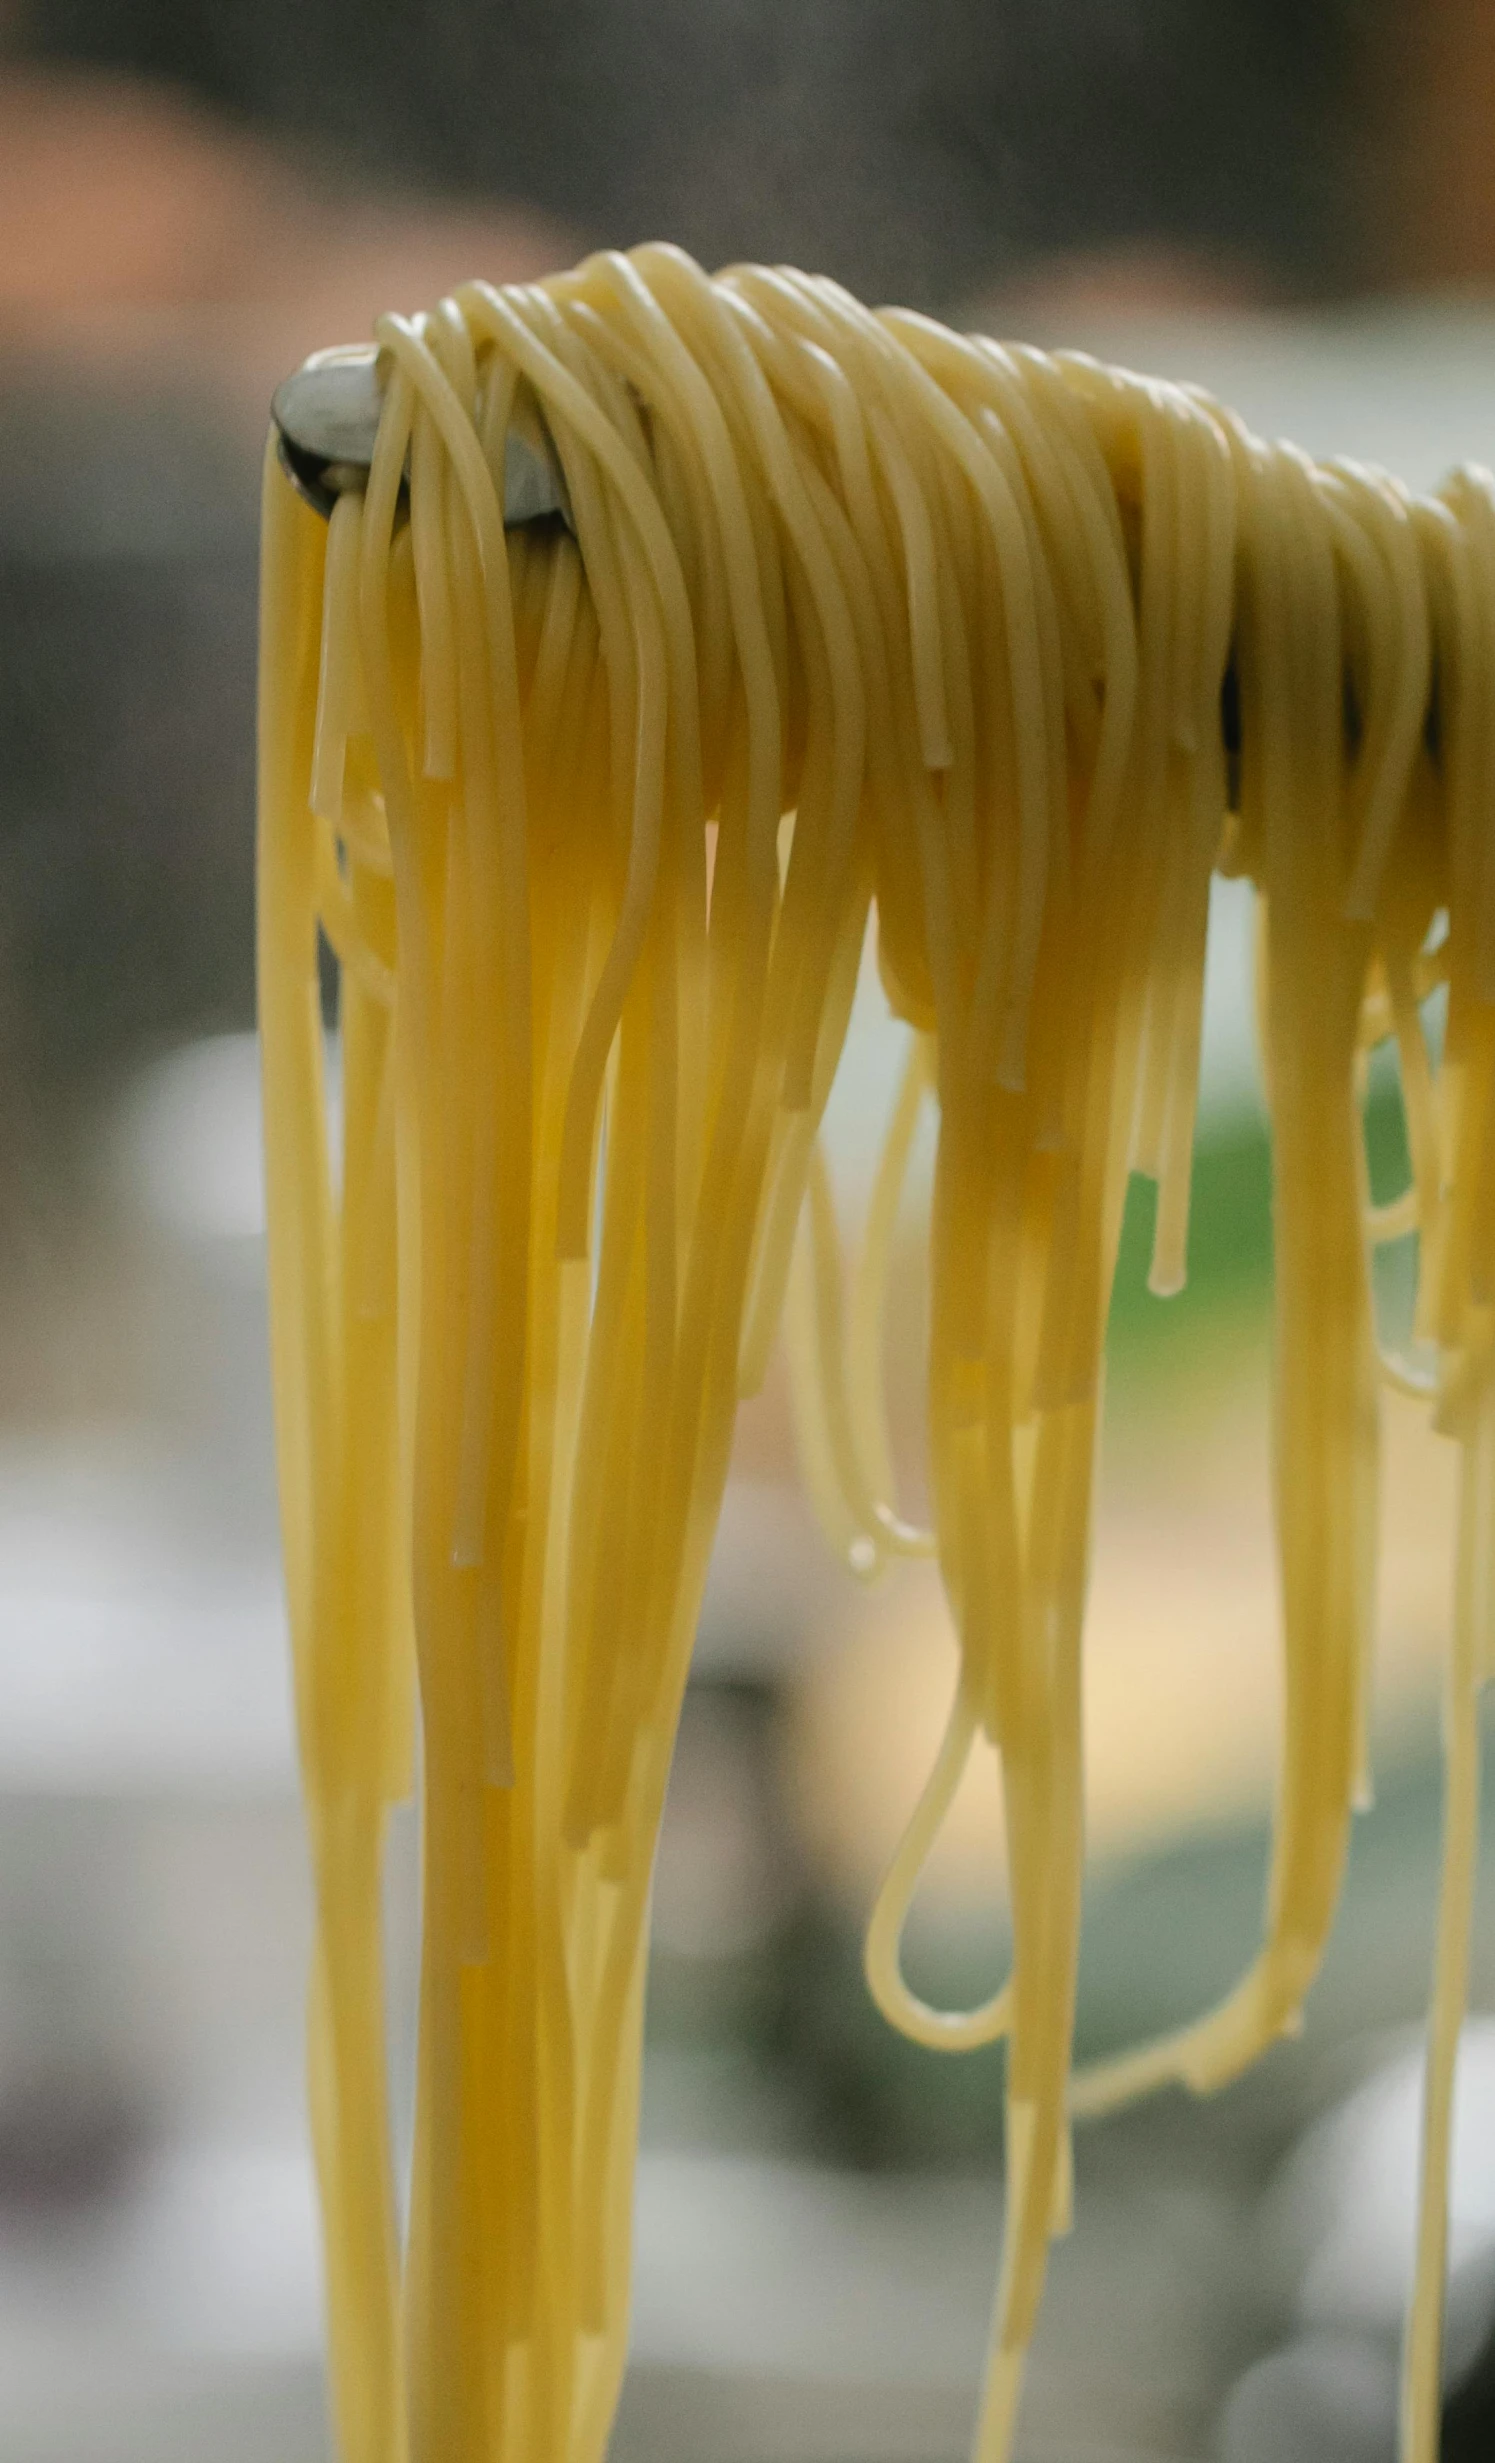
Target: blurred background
(1290, 200)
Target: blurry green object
(1166, 1932)
(1230, 1239)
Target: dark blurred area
(126, 651)
(1294, 204)
(918, 152)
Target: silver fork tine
(327, 413)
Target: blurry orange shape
(1182, 1672)
(1074, 287)
(135, 224)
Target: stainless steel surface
(327, 412)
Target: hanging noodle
(919, 629)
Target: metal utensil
(327, 413)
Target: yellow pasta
(863, 626)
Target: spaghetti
(864, 625)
